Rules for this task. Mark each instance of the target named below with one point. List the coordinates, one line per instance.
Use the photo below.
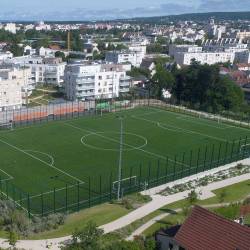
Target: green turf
(47, 161)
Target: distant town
(106, 60)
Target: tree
(60, 54)
(202, 87)
(12, 238)
(88, 238)
(162, 80)
(222, 195)
(192, 197)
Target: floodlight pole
(120, 160)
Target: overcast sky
(101, 9)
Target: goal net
(126, 183)
(6, 126)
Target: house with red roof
(205, 230)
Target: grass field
(60, 165)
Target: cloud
(224, 5)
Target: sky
(110, 9)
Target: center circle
(106, 137)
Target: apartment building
(204, 57)
(134, 55)
(10, 27)
(15, 87)
(48, 70)
(174, 49)
(86, 81)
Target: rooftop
(206, 230)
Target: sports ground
(69, 164)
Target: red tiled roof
(204, 230)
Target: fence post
(182, 164)
(239, 148)
(225, 159)
(54, 200)
(140, 176)
(1, 186)
(28, 205)
(218, 161)
(174, 172)
(100, 186)
(166, 170)
(110, 185)
(244, 151)
(66, 198)
(78, 194)
(212, 156)
(198, 158)
(89, 192)
(190, 162)
(158, 170)
(205, 159)
(42, 203)
(149, 171)
(232, 150)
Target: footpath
(156, 203)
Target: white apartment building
(87, 81)
(185, 58)
(243, 35)
(48, 70)
(11, 27)
(174, 49)
(5, 56)
(15, 87)
(134, 55)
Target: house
(149, 65)
(205, 230)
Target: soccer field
(70, 164)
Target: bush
(15, 220)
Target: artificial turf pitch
(59, 165)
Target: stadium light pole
(120, 159)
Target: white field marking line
(42, 153)
(9, 176)
(191, 132)
(177, 129)
(50, 192)
(110, 139)
(222, 119)
(110, 149)
(17, 202)
(189, 119)
(44, 162)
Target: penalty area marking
(42, 161)
(52, 160)
(111, 149)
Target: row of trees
(198, 86)
(93, 238)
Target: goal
(6, 126)
(126, 183)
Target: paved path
(157, 202)
(151, 222)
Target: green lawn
(234, 193)
(100, 214)
(58, 166)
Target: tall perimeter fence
(142, 175)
